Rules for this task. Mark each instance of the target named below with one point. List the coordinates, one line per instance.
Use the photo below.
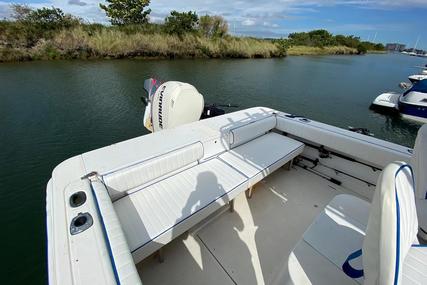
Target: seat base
(337, 232)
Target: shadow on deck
(250, 245)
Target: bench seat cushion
(123, 180)
(337, 232)
(155, 215)
(261, 156)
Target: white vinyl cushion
(419, 163)
(155, 212)
(415, 266)
(339, 230)
(129, 177)
(248, 132)
(261, 156)
(122, 260)
(392, 226)
(344, 227)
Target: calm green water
(50, 111)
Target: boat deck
(250, 245)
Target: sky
(381, 21)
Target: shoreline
(28, 55)
(27, 58)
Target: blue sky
(380, 20)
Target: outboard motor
(171, 104)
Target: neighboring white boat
(417, 77)
(421, 76)
(412, 104)
(331, 206)
(388, 100)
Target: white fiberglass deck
(252, 244)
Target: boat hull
(413, 112)
(386, 103)
(417, 77)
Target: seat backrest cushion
(392, 225)
(419, 163)
(250, 131)
(114, 237)
(127, 178)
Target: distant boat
(417, 77)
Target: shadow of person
(222, 239)
(206, 192)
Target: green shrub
(180, 23)
(362, 48)
(127, 12)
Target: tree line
(50, 33)
(126, 15)
(323, 38)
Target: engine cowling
(174, 103)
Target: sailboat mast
(416, 43)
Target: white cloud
(77, 2)
(270, 25)
(248, 22)
(261, 16)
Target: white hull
(415, 118)
(417, 77)
(166, 194)
(387, 100)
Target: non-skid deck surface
(252, 244)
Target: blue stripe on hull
(412, 110)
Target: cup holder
(77, 199)
(80, 223)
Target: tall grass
(113, 42)
(328, 50)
